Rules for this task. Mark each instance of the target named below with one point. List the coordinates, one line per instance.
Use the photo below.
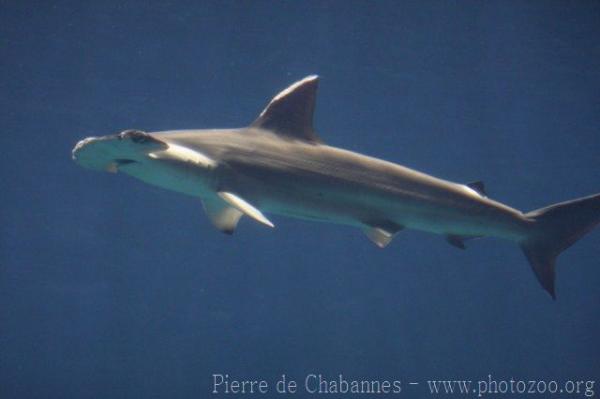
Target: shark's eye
(137, 136)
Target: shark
(279, 165)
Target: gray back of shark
(279, 165)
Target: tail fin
(556, 228)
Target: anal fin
(459, 241)
(456, 241)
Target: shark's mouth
(120, 162)
(117, 164)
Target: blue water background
(110, 288)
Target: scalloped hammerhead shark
(279, 165)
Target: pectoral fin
(456, 241)
(244, 207)
(223, 216)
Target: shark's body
(278, 165)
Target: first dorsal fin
(290, 113)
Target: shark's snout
(95, 152)
(110, 152)
(80, 144)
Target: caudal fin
(556, 228)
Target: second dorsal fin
(290, 113)
(478, 186)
